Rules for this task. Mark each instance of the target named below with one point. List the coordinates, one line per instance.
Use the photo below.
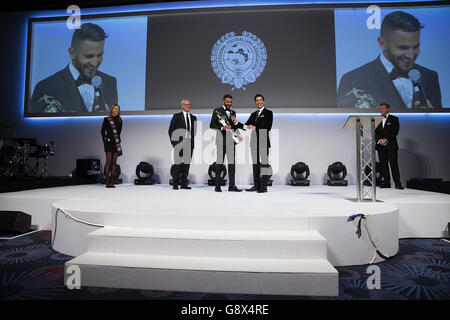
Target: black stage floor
(19, 184)
(433, 185)
(28, 183)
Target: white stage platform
(285, 241)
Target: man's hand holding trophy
(226, 125)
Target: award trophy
(235, 134)
(52, 105)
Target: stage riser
(418, 221)
(343, 245)
(39, 209)
(151, 219)
(211, 282)
(270, 249)
(278, 283)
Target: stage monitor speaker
(88, 168)
(14, 221)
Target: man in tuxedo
(224, 142)
(386, 77)
(182, 130)
(260, 122)
(387, 147)
(71, 89)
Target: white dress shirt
(86, 90)
(186, 122)
(257, 116)
(259, 111)
(404, 86)
(227, 112)
(384, 120)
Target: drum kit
(15, 154)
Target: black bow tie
(82, 80)
(385, 117)
(397, 73)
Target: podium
(364, 127)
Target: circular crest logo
(238, 60)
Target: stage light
(300, 173)
(378, 177)
(212, 174)
(144, 172)
(337, 173)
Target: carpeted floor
(30, 269)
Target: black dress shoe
(185, 187)
(251, 189)
(234, 189)
(400, 187)
(218, 189)
(385, 185)
(175, 187)
(261, 190)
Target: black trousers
(261, 158)
(180, 170)
(180, 173)
(389, 157)
(259, 150)
(230, 153)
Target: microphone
(419, 98)
(99, 103)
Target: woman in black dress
(111, 129)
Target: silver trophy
(364, 100)
(235, 134)
(51, 104)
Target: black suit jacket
(215, 124)
(389, 132)
(61, 86)
(178, 122)
(264, 121)
(374, 80)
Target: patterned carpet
(31, 270)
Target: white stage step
(202, 274)
(209, 243)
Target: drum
(47, 149)
(52, 149)
(44, 149)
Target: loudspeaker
(87, 168)
(14, 221)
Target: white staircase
(197, 260)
